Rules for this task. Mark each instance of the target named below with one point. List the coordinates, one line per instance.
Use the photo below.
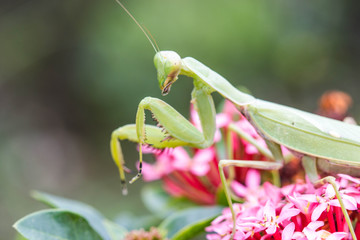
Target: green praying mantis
(323, 144)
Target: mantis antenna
(152, 38)
(147, 33)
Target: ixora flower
(310, 232)
(152, 234)
(297, 210)
(195, 178)
(302, 213)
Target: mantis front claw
(172, 130)
(135, 178)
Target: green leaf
(190, 222)
(55, 224)
(20, 237)
(115, 231)
(221, 197)
(133, 221)
(161, 203)
(95, 218)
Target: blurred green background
(72, 71)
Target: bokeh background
(72, 71)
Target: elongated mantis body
(324, 144)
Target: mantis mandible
(323, 144)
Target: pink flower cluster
(296, 211)
(195, 178)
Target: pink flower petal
(273, 192)
(227, 237)
(271, 229)
(337, 236)
(213, 237)
(330, 192)
(200, 163)
(290, 189)
(251, 149)
(288, 231)
(222, 120)
(269, 211)
(253, 179)
(309, 197)
(299, 203)
(181, 160)
(350, 178)
(239, 235)
(349, 202)
(149, 174)
(173, 189)
(315, 225)
(299, 236)
(318, 211)
(220, 229)
(249, 225)
(230, 109)
(247, 127)
(217, 136)
(239, 189)
(287, 213)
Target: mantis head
(168, 65)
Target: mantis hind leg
(241, 163)
(309, 164)
(247, 137)
(273, 152)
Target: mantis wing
(307, 133)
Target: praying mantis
(323, 144)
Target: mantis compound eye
(168, 65)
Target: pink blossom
(310, 232)
(185, 176)
(328, 199)
(251, 189)
(253, 192)
(178, 159)
(350, 178)
(351, 186)
(296, 211)
(300, 215)
(271, 222)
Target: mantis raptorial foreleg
(154, 138)
(173, 129)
